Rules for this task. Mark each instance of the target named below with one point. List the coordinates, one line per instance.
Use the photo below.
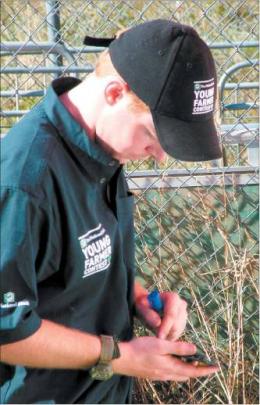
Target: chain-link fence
(196, 224)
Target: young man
(68, 247)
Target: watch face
(101, 372)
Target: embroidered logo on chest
(96, 247)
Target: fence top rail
(7, 48)
(240, 133)
(197, 171)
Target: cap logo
(203, 101)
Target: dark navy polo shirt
(67, 248)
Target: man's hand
(150, 357)
(174, 318)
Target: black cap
(171, 69)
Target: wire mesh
(196, 224)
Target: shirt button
(102, 181)
(112, 163)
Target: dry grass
(219, 281)
(229, 335)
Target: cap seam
(170, 70)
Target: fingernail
(161, 335)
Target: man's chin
(124, 161)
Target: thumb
(151, 318)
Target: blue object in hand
(155, 301)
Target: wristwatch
(109, 350)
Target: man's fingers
(173, 335)
(172, 328)
(182, 371)
(191, 371)
(175, 377)
(175, 316)
(178, 348)
(165, 327)
(186, 376)
(175, 328)
(200, 371)
(182, 368)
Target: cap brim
(93, 41)
(188, 141)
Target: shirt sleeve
(22, 224)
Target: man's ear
(115, 90)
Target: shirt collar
(89, 152)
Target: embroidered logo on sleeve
(96, 247)
(203, 101)
(9, 298)
(9, 301)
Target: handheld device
(156, 303)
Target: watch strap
(116, 353)
(107, 349)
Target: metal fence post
(53, 27)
